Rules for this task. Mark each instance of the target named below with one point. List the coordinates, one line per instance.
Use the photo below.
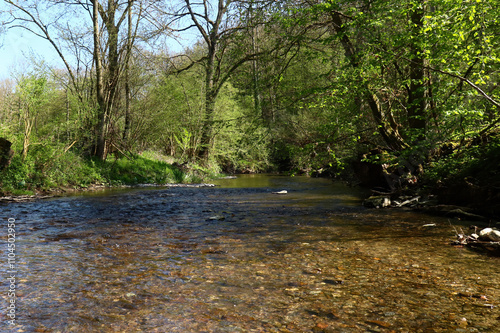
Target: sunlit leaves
(463, 30)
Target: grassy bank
(50, 169)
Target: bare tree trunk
(101, 101)
(218, 66)
(127, 77)
(210, 96)
(28, 126)
(255, 64)
(212, 87)
(107, 84)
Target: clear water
(238, 258)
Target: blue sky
(16, 48)
(19, 46)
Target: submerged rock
(281, 192)
(217, 218)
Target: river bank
(22, 180)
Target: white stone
(490, 234)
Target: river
(238, 258)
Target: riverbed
(239, 258)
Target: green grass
(139, 170)
(49, 167)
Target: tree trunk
(100, 151)
(416, 94)
(210, 97)
(390, 135)
(127, 77)
(113, 70)
(255, 64)
(28, 126)
(107, 84)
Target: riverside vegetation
(404, 94)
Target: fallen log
(406, 202)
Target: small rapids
(238, 258)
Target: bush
(139, 170)
(47, 167)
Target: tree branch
(43, 34)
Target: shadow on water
(238, 258)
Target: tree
(464, 58)
(54, 21)
(417, 88)
(33, 94)
(221, 30)
(108, 73)
(128, 57)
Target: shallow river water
(238, 258)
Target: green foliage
(240, 142)
(138, 170)
(171, 115)
(49, 167)
(174, 126)
(184, 142)
(32, 90)
(14, 177)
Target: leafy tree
(103, 64)
(33, 94)
(221, 31)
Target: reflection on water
(237, 258)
